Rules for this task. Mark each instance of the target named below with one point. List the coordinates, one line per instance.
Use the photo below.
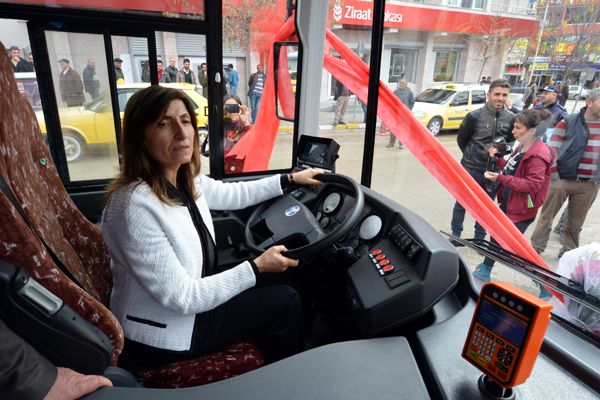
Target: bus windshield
(426, 48)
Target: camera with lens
(232, 108)
(502, 148)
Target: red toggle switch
(376, 251)
(380, 256)
(388, 268)
(383, 262)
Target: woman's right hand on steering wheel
(273, 261)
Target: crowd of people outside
(555, 160)
(73, 86)
(186, 74)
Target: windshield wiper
(539, 274)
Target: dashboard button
(388, 268)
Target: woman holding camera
(235, 120)
(525, 177)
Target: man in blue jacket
(233, 80)
(549, 101)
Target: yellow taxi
(93, 124)
(445, 106)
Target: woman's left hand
(491, 176)
(307, 176)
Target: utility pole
(537, 48)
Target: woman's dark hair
(534, 119)
(145, 108)
(234, 97)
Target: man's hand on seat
(70, 385)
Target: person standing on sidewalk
(549, 101)
(529, 95)
(475, 136)
(203, 79)
(256, 85)
(407, 98)
(563, 93)
(172, 69)
(186, 75)
(576, 176)
(234, 79)
(524, 179)
(341, 97)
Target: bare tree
(250, 24)
(496, 36)
(572, 36)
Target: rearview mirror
(286, 59)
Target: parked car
(577, 92)
(93, 124)
(445, 106)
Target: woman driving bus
(158, 229)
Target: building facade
(436, 41)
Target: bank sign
(429, 18)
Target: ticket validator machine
(505, 337)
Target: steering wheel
(288, 221)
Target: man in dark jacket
(407, 97)
(549, 101)
(203, 79)
(341, 97)
(90, 80)
(117, 62)
(25, 374)
(19, 64)
(475, 136)
(563, 93)
(70, 84)
(576, 176)
(173, 71)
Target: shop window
(475, 4)
(479, 4)
(402, 64)
(446, 63)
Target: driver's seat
(29, 172)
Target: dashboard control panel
(387, 286)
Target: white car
(577, 92)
